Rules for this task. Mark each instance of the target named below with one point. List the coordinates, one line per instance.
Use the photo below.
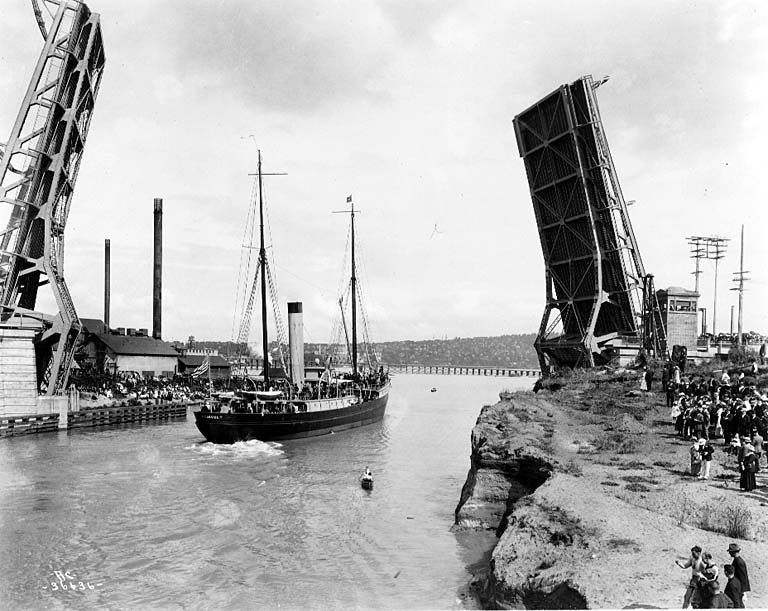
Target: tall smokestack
(732, 308)
(157, 286)
(107, 289)
(296, 341)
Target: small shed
(679, 311)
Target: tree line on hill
(498, 351)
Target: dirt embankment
(587, 489)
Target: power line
(740, 279)
(713, 248)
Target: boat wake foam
(239, 450)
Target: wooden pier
(12, 426)
(111, 416)
(456, 370)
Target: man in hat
(740, 570)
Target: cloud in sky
(409, 106)
(292, 57)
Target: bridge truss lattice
(593, 269)
(38, 170)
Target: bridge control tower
(597, 291)
(38, 169)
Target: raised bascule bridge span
(39, 165)
(599, 298)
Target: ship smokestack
(157, 286)
(296, 341)
(107, 288)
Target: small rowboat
(367, 483)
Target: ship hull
(227, 428)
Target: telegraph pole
(739, 280)
(708, 247)
(697, 252)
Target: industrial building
(129, 350)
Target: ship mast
(351, 213)
(263, 264)
(354, 297)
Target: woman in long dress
(695, 458)
(748, 467)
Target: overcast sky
(408, 106)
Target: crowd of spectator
(726, 406)
(129, 388)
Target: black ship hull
(227, 428)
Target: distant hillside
(499, 351)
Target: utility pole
(708, 247)
(739, 280)
(697, 252)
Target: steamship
(300, 408)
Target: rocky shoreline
(585, 488)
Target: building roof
(679, 290)
(196, 360)
(94, 326)
(136, 345)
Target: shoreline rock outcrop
(581, 489)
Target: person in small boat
(367, 475)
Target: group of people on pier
(131, 389)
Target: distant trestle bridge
(465, 370)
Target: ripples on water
(159, 518)
(238, 451)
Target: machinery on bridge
(598, 294)
(38, 168)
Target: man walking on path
(740, 570)
(696, 564)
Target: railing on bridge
(465, 370)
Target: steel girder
(593, 268)
(38, 170)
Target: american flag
(203, 369)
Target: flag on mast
(205, 367)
